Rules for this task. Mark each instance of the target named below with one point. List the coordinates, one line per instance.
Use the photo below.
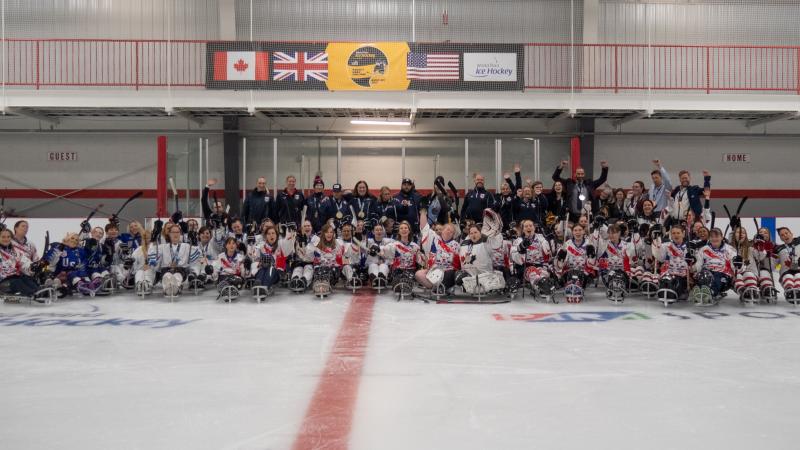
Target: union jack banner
(300, 66)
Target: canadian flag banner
(241, 66)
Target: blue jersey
(67, 260)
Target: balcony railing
(610, 68)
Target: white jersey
(577, 257)
(27, 248)
(165, 256)
(788, 255)
(718, 260)
(379, 258)
(478, 255)
(13, 262)
(441, 254)
(672, 257)
(537, 253)
(402, 255)
(226, 265)
(619, 256)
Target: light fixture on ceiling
(381, 122)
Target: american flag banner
(433, 66)
(299, 66)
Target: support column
(161, 176)
(231, 163)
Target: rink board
(126, 373)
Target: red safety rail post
(37, 65)
(616, 69)
(708, 70)
(161, 180)
(575, 154)
(797, 66)
(136, 57)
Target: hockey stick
(174, 193)
(132, 198)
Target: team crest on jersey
(297, 196)
(483, 195)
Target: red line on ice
(329, 416)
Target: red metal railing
(614, 68)
(630, 67)
(105, 62)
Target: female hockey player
(68, 263)
(745, 265)
(376, 263)
(441, 252)
(231, 267)
(714, 269)
(327, 257)
(302, 269)
(788, 254)
(173, 261)
(15, 270)
(765, 260)
(616, 260)
(271, 257)
(403, 256)
(673, 273)
(531, 255)
(364, 204)
(576, 264)
(22, 243)
(477, 275)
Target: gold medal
(361, 214)
(339, 215)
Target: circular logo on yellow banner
(367, 66)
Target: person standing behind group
(409, 201)
(579, 189)
(477, 200)
(661, 187)
(290, 202)
(259, 204)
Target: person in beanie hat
(317, 205)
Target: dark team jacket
(258, 206)
(411, 213)
(365, 208)
(290, 207)
(391, 209)
(317, 209)
(475, 202)
(535, 209)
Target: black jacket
(258, 206)
(475, 202)
(290, 207)
(591, 185)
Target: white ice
(435, 376)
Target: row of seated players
(621, 255)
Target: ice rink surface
(123, 373)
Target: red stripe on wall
(193, 193)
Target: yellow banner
(376, 66)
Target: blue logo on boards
(93, 318)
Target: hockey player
(477, 275)
(356, 272)
(144, 274)
(531, 255)
(68, 262)
(674, 267)
(15, 270)
(714, 259)
(302, 269)
(576, 264)
(22, 243)
(788, 254)
(328, 258)
(173, 261)
(203, 266)
(765, 260)
(377, 268)
(745, 267)
(616, 259)
(403, 256)
(271, 257)
(231, 267)
(441, 251)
